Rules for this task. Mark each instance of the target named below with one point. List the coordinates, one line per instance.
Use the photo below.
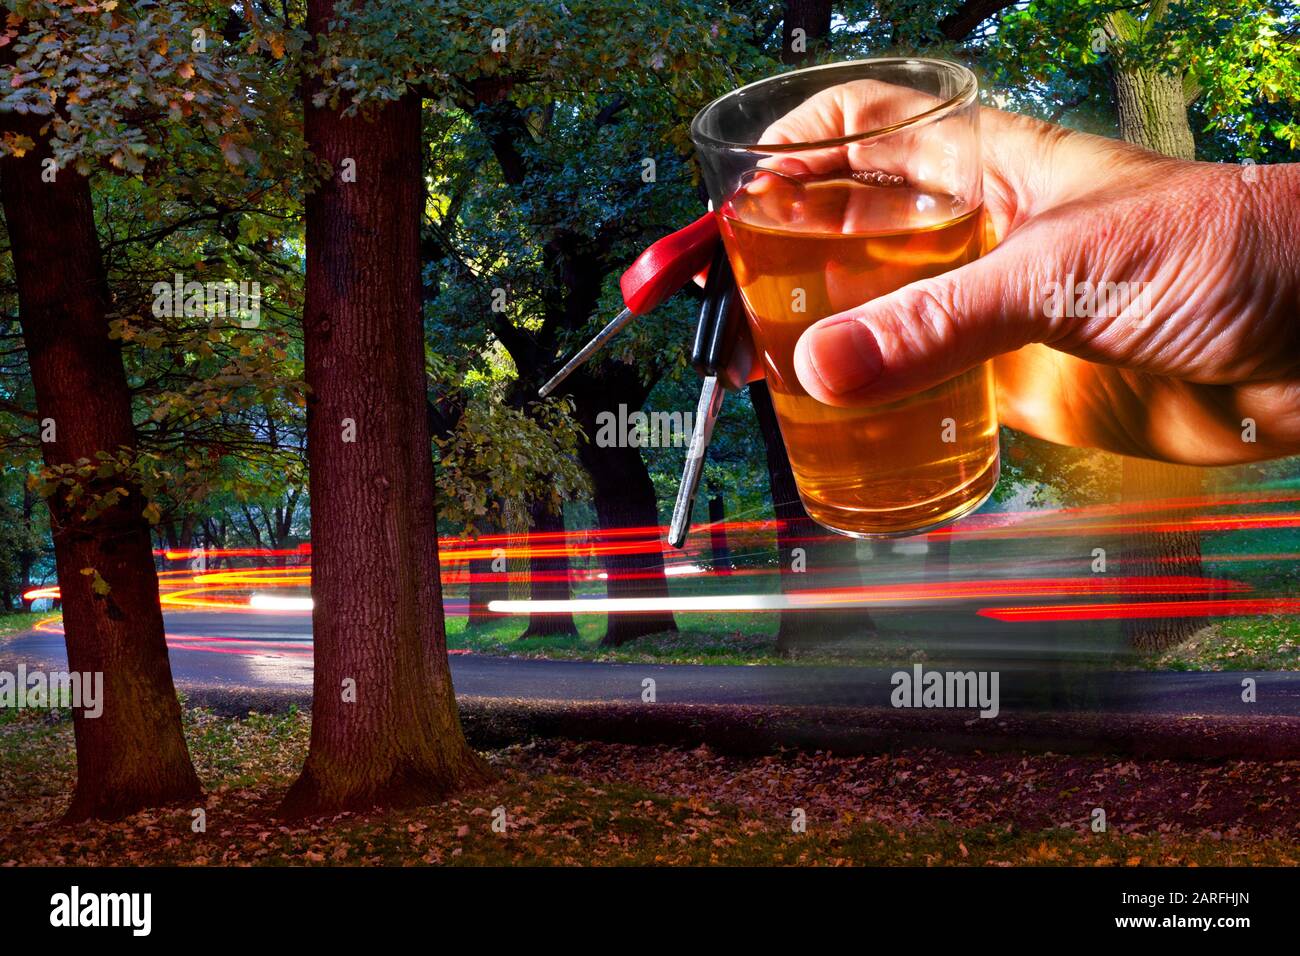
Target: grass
(736, 639)
(1235, 554)
(553, 815)
(18, 622)
(1239, 644)
(701, 639)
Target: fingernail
(845, 355)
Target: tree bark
(795, 528)
(625, 499)
(27, 557)
(485, 583)
(378, 624)
(1159, 553)
(134, 754)
(718, 545)
(822, 552)
(1152, 112)
(957, 25)
(548, 578)
(624, 496)
(482, 591)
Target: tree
(583, 177)
(134, 754)
(1151, 109)
(568, 275)
(1231, 64)
(385, 728)
(495, 463)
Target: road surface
(272, 651)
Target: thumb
(925, 333)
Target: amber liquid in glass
(828, 245)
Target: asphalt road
(273, 651)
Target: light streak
(671, 571)
(720, 602)
(847, 597)
(253, 590)
(272, 602)
(1149, 609)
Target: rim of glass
(963, 97)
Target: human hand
(1210, 339)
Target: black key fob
(722, 345)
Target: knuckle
(929, 319)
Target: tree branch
(957, 25)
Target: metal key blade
(706, 416)
(584, 353)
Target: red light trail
(1102, 612)
(285, 587)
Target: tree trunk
(1152, 112)
(133, 755)
(485, 583)
(718, 536)
(802, 543)
(548, 578)
(795, 528)
(27, 557)
(1159, 553)
(577, 268)
(813, 17)
(625, 499)
(385, 728)
(485, 586)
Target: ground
(16, 623)
(1239, 643)
(570, 802)
(1242, 643)
(601, 803)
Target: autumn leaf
(230, 150)
(97, 582)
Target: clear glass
(832, 186)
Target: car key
(657, 273)
(723, 353)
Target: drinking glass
(834, 185)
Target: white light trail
(273, 602)
(672, 570)
(720, 602)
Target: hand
(1212, 339)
